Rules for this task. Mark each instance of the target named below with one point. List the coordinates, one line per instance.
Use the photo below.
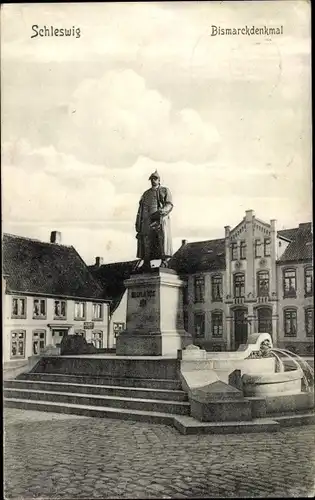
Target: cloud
(115, 119)
(95, 207)
(44, 183)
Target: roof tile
(33, 266)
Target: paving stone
(61, 458)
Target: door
(264, 320)
(240, 327)
(57, 336)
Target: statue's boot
(146, 266)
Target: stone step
(101, 390)
(189, 425)
(155, 405)
(90, 411)
(145, 383)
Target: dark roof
(199, 256)
(288, 234)
(32, 266)
(301, 246)
(111, 278)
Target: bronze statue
(153, 224)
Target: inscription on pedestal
(143, 294)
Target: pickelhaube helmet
(154, 174)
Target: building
(111, 278)
(255, 279)
(48, 291)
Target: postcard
(157, 275)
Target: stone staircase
(150, 400)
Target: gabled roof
(32, 266)
(199, 256)
(111, 278)
(301, 246)
(288, 234)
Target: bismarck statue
(153, 224)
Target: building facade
(48, 292)
(256, 279)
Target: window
(39, 308)
(118, 328)
(243, 249)
(257, 248)
(289, 283)
(308, 278)
(263, 284)
(97, 311)
(234, 251)
(239, 285)
(217, 324)
(18, 344)
(60, 309)
(309, 322)
(199, 324)
(18, 308)
(39, 341)
(267, 244)
(290, 322)
(79, 310)
(199, 288)
(186, 321)
(82, 333)
(185, 294)
(216, 286)
(97, 339)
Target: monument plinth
(154, 323)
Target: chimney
(99, 261)
(249, 214)
(184, 242)
(273, 225)
(55, 237)
(227, 231)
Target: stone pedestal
(154, 323)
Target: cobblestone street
(64, 456)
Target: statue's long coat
(161, 246)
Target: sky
(226, 120)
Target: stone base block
(132, 344)
(275, 405)
(222, 411)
